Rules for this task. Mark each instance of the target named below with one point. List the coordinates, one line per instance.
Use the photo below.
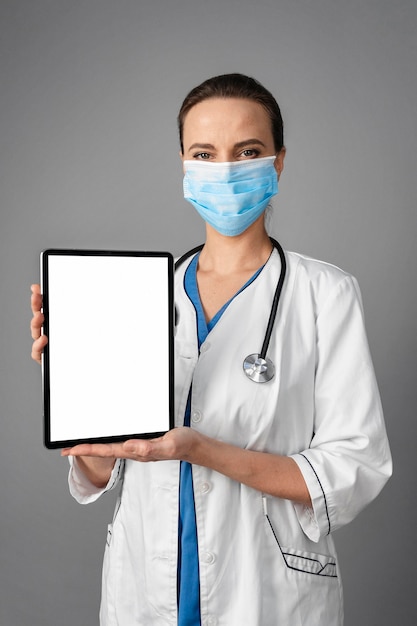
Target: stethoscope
(257, 367)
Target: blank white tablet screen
(108, 325)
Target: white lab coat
(264, 561)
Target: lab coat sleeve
(83, 490)
(348, 461)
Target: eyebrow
(249, 142)
(240, 144)
(202, 146)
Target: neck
(226, 255)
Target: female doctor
(231, 523)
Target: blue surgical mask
(230, 196)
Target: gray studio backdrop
(89, 93)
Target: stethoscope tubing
(274, 307)
(187, 255)
(275, 302)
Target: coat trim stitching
(117, 477)
(321, 487)
(321, 572)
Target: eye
(250, 153)
(204, 156)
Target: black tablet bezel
(45, 255)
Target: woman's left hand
(176, 444)
(268, 473)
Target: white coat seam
(321, 487)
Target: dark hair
(235, 86)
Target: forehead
(227, 117)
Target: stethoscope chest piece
(258, 369)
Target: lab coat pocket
(309, 562)
(302, 560)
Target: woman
(234, 526)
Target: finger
(36, 298)
(160, 449)
(140, 449)
(101, 450)
(36, 325)
(38, 347)
(134, 449)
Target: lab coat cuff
(314, 520)
(82, 489)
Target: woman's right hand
(36, 324)
(97, 470)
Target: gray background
(89, 93)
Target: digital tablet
(108, 365)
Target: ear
(279, 161)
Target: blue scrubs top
(188, 566)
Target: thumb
(138, 447)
